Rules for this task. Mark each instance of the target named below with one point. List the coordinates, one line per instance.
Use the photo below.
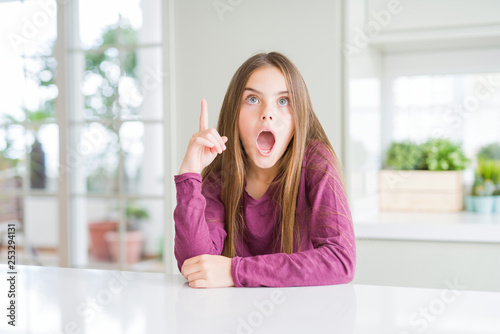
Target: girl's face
(265, 105)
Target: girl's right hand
(203, 146)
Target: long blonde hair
(228, 169)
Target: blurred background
(99, 100)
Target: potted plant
(36, 159)
(469, 199)
(495, 178)
(97, 231)
(404, 155)
(425, 177)
(496, 196)
(38, 178)
(485, 192)
(134, 237)
(443, 155)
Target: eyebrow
(258, 92)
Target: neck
(262, 175)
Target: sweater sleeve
(199, 218)
(333, 259)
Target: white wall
(210, 48)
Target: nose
(266, 112)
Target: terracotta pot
(99, 247)
(133, 245)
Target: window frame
(393, 64)
(70, 240)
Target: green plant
(486, 178)
(489, 152)
(489, 170)
(495, 172)
(106, 103)
(404, 155)
(434, 155)
(442, 154)
(8, 154)
(135, 216)
(482, 187)
(478, 185)
(486, 189)
(103, 101)
(41, 75)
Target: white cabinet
(424, 25)
(435, 14)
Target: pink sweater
(328, 254)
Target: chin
(264, 162)
(267, 165)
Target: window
(116, 127)
(419, 96)
(28, 128)
(114, 151)
(462, 107)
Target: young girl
(261, 199)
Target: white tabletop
(62, 300)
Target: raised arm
(199, 214)
(199, 218)
(332, 257)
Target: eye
(283, 101)
(252, 99)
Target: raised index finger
(204, 115)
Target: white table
(62, 300)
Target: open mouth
(265, 142)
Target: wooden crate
(425, 191)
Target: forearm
(192, 241)
(193, 235)
(325, 265)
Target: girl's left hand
(208, 271)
